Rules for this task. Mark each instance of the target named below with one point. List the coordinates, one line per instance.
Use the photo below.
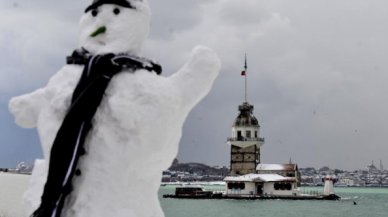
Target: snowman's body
(135, 133)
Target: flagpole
(246, 83)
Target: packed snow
(137, 127)
(257, 177)
(275, 167)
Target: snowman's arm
(195, 79)
(26, 108)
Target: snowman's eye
(94, 12)
(116, 11)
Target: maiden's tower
(245, 141)
(247, 175)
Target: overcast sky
(317, 73)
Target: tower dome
(246, 117)
(245, 129)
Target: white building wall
(269, 189)
(243, 131)
(234, 191)
(249, 189)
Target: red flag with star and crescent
(244, 72)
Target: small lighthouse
(245, 141)
(328, 188)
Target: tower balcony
(245, 141)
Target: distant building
(372, 168)
(381, 166)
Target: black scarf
(68, 145)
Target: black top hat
(98, 3)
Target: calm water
(372, 202)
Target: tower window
(239, 134)
(248, 134)
(255, 133)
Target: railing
(245, 139)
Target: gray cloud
(174, 16)
(317, 80)
(317, 71)
(34, 43)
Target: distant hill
(199, 169)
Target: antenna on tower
(244, 73)
(245, 66)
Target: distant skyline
(317, 73)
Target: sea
(371, 202)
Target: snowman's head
(115, 26)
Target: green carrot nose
(98, 31)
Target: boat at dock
(193, 192)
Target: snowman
(109, 124)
